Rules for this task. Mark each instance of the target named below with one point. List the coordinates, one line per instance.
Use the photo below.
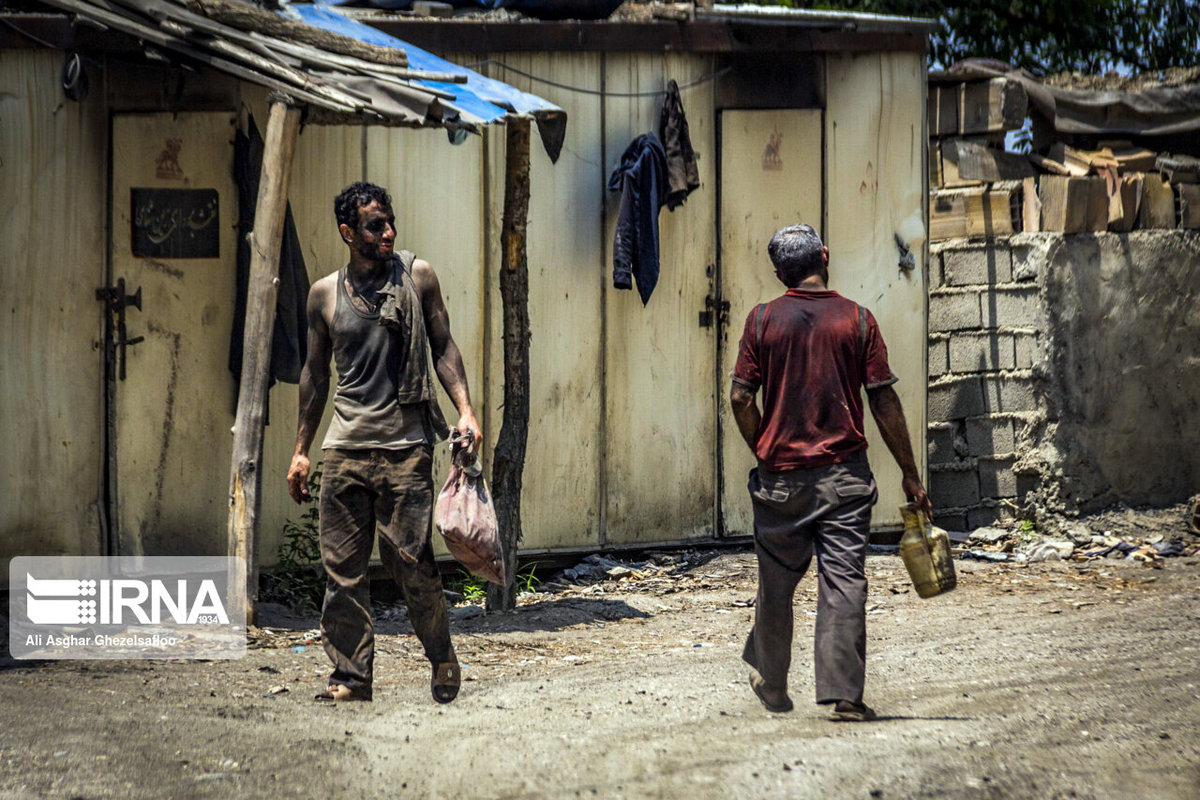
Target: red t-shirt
(811, 354)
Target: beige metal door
(174, 218)
(770, 177)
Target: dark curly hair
(350, 199)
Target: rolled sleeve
(747, 371)
(876, 371)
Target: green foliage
(298, 580)
(1048, 36)
(527, 581)
(471, 587)
(474, 589)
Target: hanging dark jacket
(289, 341)
(641, 179)
(683, 174)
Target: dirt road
(1049, 680)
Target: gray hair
(796, 252)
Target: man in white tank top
(378, 450)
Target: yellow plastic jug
(926, 553)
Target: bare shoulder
(422, 271)
(324, 287)
(322, 294)
(424, 276)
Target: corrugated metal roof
(351, 72)
(842, 20)
(478, 94)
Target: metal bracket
(115, 302)
(711, 306)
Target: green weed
(527, 580)
(471, 587)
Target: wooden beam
(508, 461)
(283, 128)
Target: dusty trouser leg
(840, 646)
(405, 509)
(783, 545)
(347, 532)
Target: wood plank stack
(979, 189)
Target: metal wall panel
(659, 362)
(52, 167)
(874, 187)
(560, 500)
(770, 177)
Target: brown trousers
(394, 490)
(826, 510)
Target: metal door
(173, 228)
(771, 164)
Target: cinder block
(1025, 350)
(1027, 484)
(996, 478)
(1008, 394)
(954, 312)
(940, 438)
(988, 265)
(939, 358)
(935, 271)
(984, 516)
(990, 436)
(987, 352)
(1025, 263)
(954, 487)
(950, 520)
(1014, 308)
(955, 399)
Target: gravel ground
(1059, 679)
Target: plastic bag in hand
(465, 516)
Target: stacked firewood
(980, 189)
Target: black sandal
(447, 677)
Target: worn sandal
(446, 679)
(759, 685)
(337, 693)
(848, 711)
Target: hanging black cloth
(683, 175)
(289, 340)
(641, 179)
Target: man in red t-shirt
(811, 351)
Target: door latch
(115, 302)
(710, 306)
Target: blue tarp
(486, 98)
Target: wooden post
(508, 461)
(283, 127)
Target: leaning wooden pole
(283, 128)
(508, 461)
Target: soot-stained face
(375, 235)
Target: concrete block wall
(986, 331)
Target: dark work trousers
(394, 489)
(827, 511)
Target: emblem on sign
(167, 163)
(771, 159)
